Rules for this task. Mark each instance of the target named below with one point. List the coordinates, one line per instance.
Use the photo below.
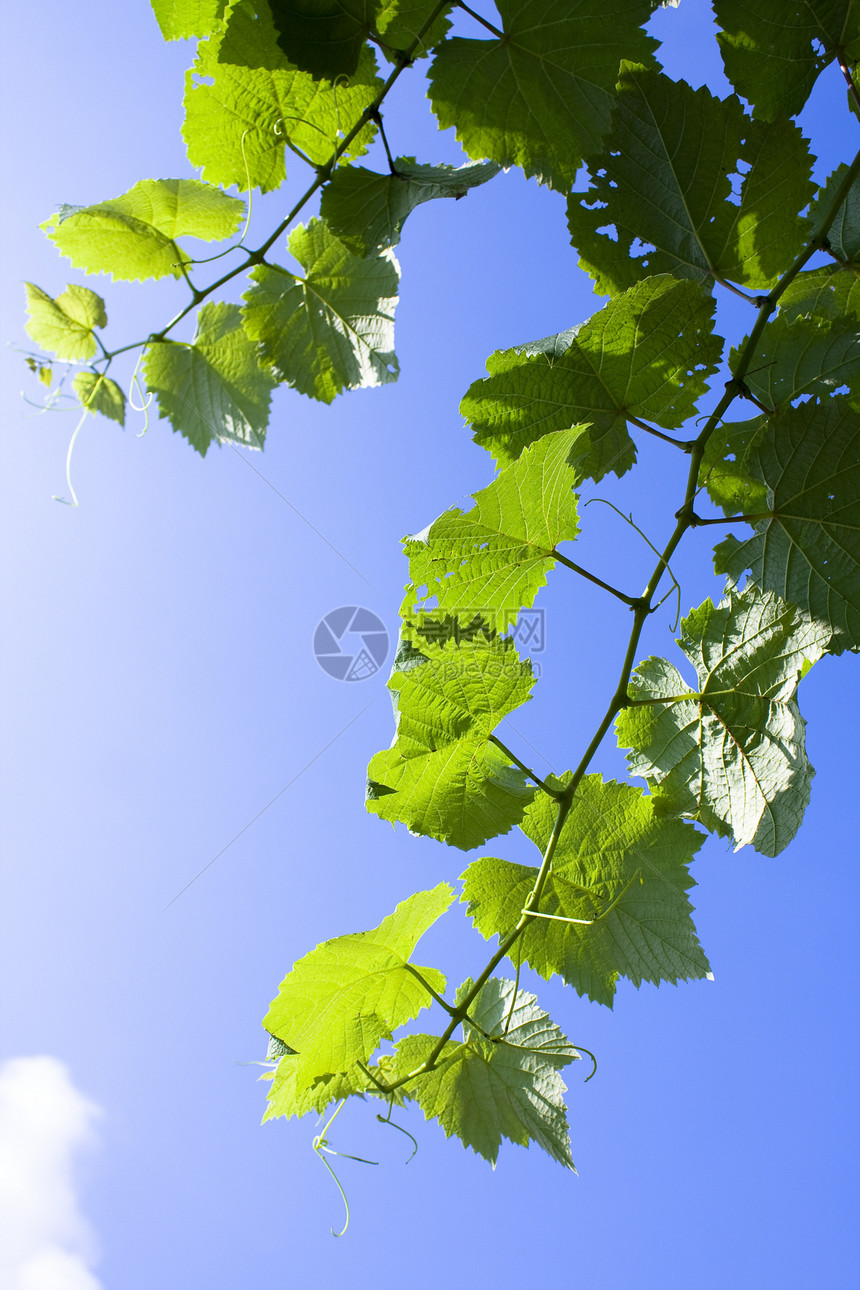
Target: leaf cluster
(672, 195)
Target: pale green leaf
(731, 752)
(244, 98)
(619, 869)
(182, 19)
(99, 393)
(288, 1097)
(647, 354)
(507, 1086)
(540, 97)
(133, 236)
(340, 1000)
(829, 293)
(215, 388)
(494, 559)
(443, 777)
(774, 50)
(807, 549)
(333, 329)
(64, 326)
(662, 197)
(367, 210)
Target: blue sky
(161, 690)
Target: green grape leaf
(100, 394)
(647, 354)
(323, 37)
(244, 99)
(618, 868)
(724, 471)
(340, 1000)
(494, 559)
(774, 50)
(182, 19)
(367, 210)
(807, 549)
(64, 326)
(400, 21)
(333, 329)
(731, 753)
(132, 237)
(827, 294)
(214, 388)
(507, 1086)
(539, 97)
(288, 1097)
(799, 354)
(662, 199)
(443, 777)
(844, 235)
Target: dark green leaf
(647, 354)
(800, 354)
(773, 50)
(333, 329)
(508, 1086)
(443, 777)
(400, 21)
(844, 235)
(339, 1001)
(731, 752)
(323, 37)
(620, 870)
(540, 97)
(215, 387)
(367, 210)
(807, 550)
(662, 198)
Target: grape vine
(672, 195)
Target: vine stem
(323, 175)
(685, 519)
(598, 582)
(551, 792)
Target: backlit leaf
(100, 394)
(215, 388)
(133, 236)
(181, 19)
(618, 868)
(333, 329)
(773, 50)
(367, 210)
(243, 98)
(443, 777)
(807, 550)
(64, 326)
(507, 1086)
(540, 97)
(730, 752)
(342, 998)
(662, 197)
(647, 354)
(494, 558)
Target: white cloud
(45, 1242)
